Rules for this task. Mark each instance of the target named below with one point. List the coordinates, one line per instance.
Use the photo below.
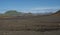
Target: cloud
(44, 9)
(41, 9)
(34, 10)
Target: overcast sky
(34, 6)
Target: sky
(34, 6)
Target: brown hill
(57, 13)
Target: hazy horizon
(34, 6)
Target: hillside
(57, 13)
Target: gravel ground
(29, 33)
